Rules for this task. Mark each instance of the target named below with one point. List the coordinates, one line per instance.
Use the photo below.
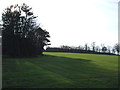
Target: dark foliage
(117, 48)
(54, 49)
(104, 49)
(21, 36)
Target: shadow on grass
(51, 71)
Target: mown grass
(61, 70)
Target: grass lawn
(61, 70)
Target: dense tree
(117, 48)
(104, 49)
(113, 51)
(21, 35)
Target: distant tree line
(87, 49)
(21, 35)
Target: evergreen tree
(21, 36)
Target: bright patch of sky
(75, 22)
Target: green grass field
(61, 70)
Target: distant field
(61, 70)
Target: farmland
(61, 70)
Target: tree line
(88, 49)
(22, 36)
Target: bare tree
(109, 49)
(93, 46)
(97, 49)
(86, 46)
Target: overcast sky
(75, 22)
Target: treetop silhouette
(21, 35)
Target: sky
(75, 22)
